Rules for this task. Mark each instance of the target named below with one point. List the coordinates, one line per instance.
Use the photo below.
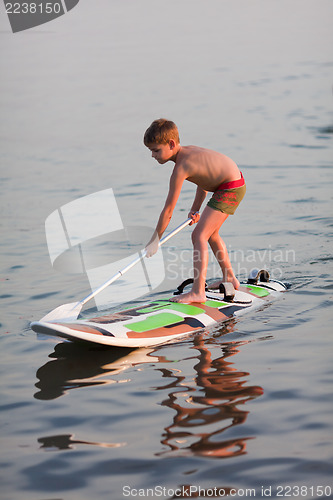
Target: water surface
(246, 405)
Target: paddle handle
(133, 263)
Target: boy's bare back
(204, 167)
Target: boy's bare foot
(235, 282)
(187, 298)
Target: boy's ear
(172, 144)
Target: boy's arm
(176, 182)
(200, 195)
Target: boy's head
(161, 131)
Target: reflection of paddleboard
(162, 321)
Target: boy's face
(162, 152)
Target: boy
(210, 171)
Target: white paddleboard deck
(162, 321)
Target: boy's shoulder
(190, 154)
(196, 151)
(187, 152)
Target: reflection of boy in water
(219, 390)
(210, 171)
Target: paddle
(70, 312)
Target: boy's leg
(221, 253)
(209, 224)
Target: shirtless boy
(211, 172)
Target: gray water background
(241, 406)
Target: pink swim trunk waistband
(233, 184)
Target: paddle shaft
(133, 263)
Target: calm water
(246, 406)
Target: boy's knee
(195, 235)
(214, 237)
(198, 235)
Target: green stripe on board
(259, 292)
(174, 306)
(215, 303)
(186, 309)
(152, 322)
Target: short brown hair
(161, 131)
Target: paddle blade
(66, 312)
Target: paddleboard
(162, 321)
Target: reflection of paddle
(70, 312)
